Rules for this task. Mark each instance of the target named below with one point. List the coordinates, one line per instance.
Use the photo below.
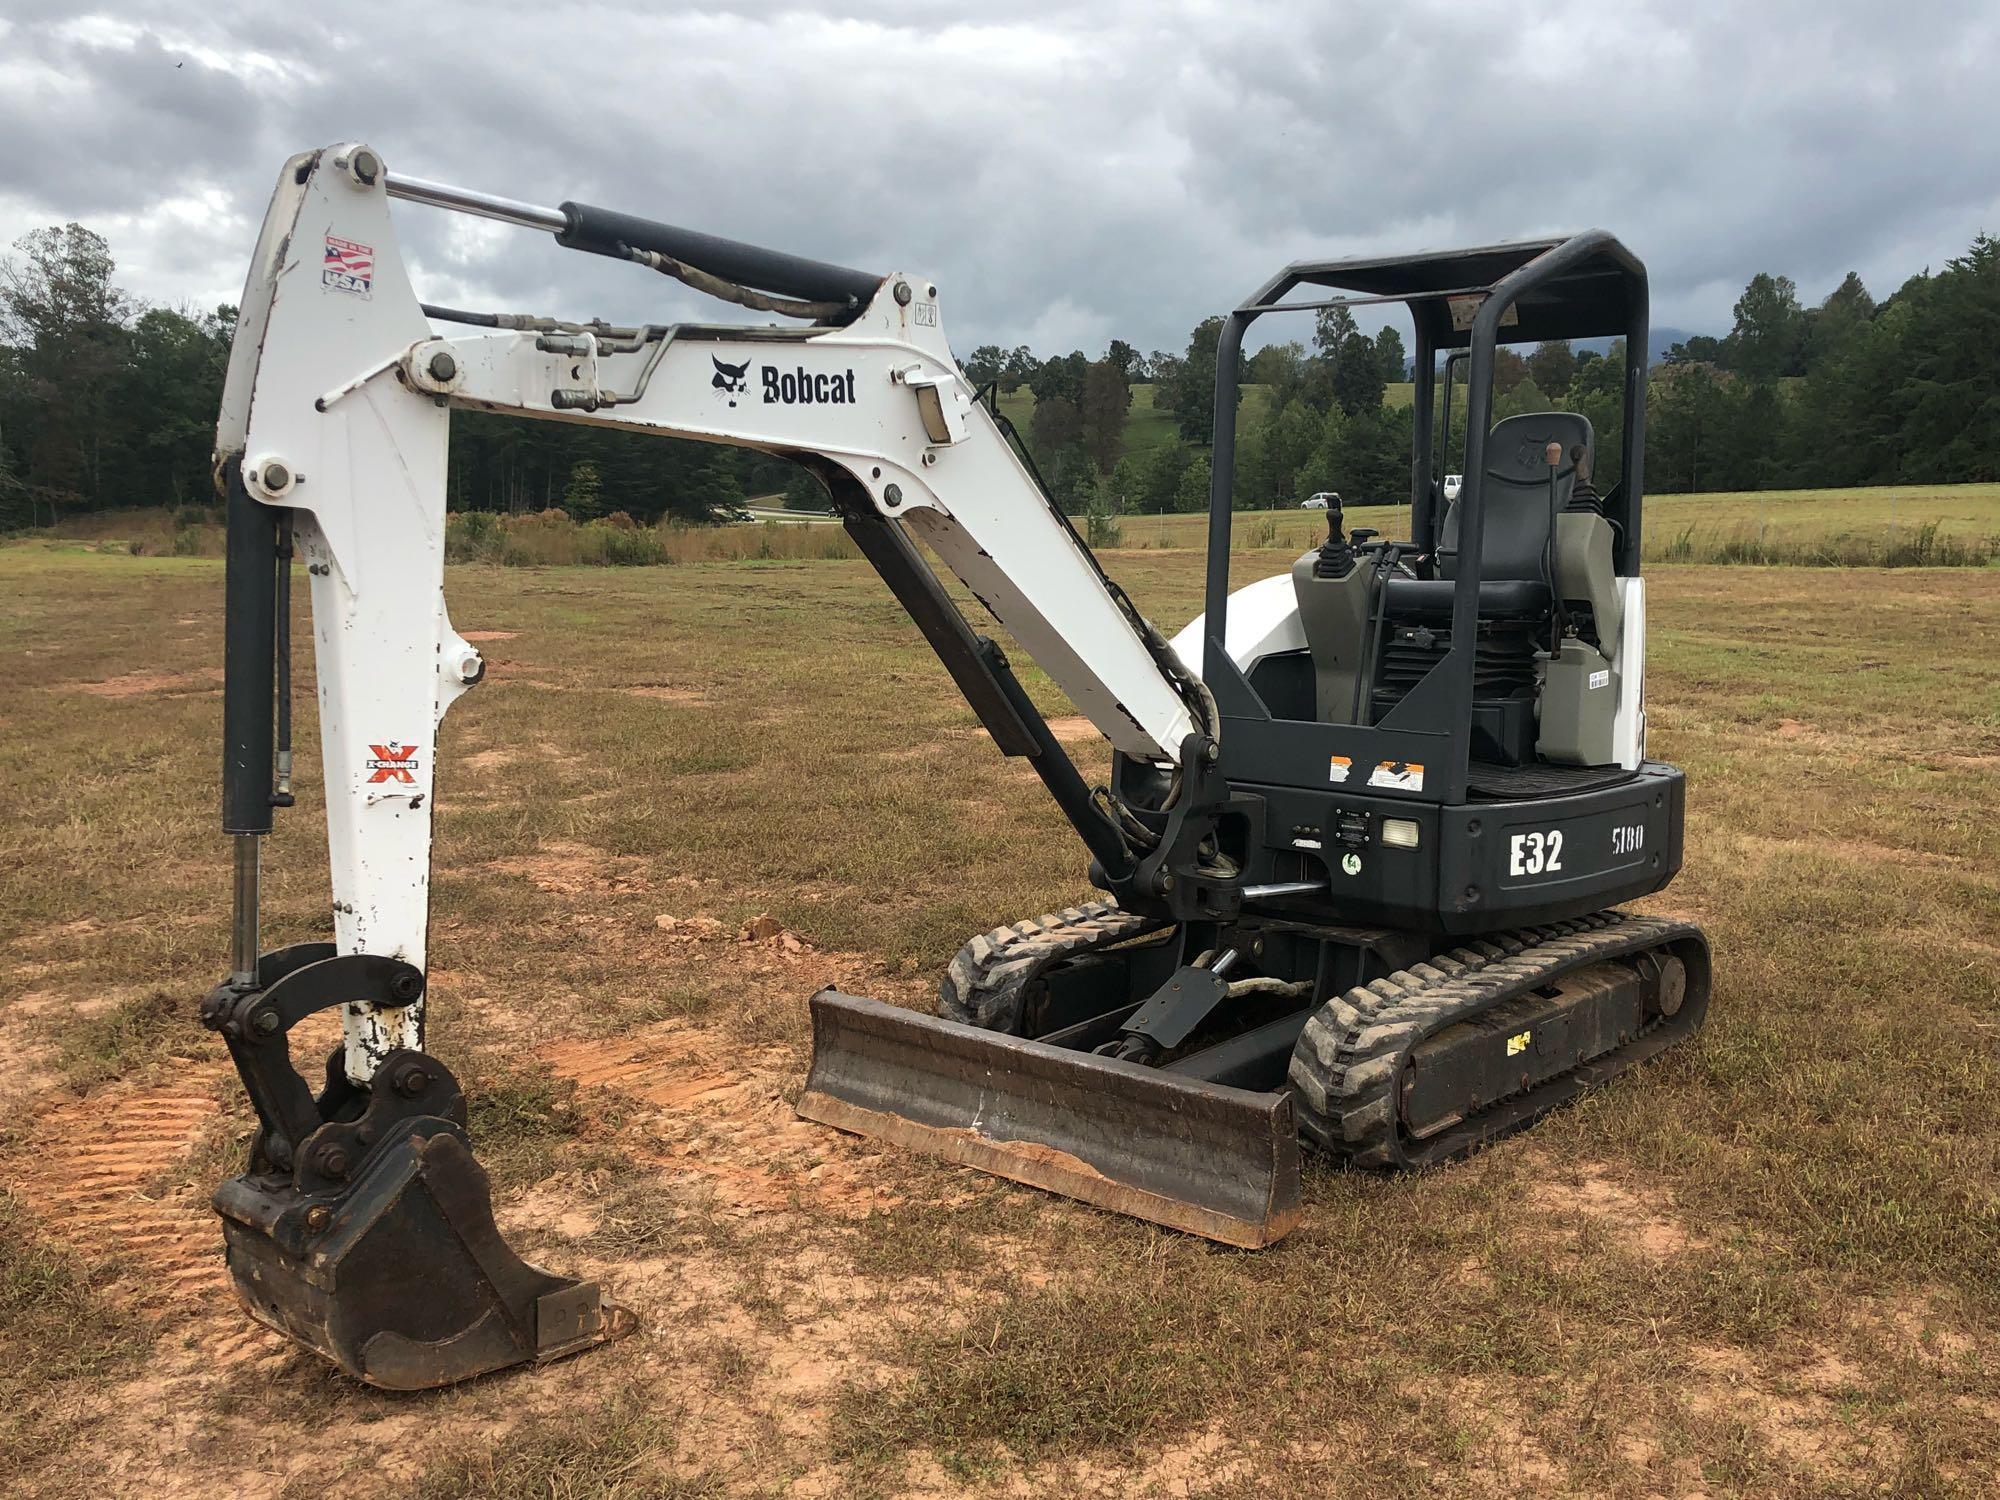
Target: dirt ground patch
(151, 684)
(1074, 729)
(1069, 729)
(1586, 1198)
(721, 1115)
(485, 762)
(666, 692)
(575, 869)
(88, 1168)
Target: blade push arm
(337, 406)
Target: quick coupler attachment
(363, 1227)
(1203, 1157)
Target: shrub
(472, 536)
(620, 547)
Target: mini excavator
(1367, 826)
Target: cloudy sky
(1066, 172)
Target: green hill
(1146, 427)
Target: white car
(1453, 483)
(1320, 501)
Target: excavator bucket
(1201, 1157)
(403, 1280)
(363, 1226)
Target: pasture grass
(1766, 1264)
(1944, 525)
(1956, 525)
(1949, 525)
(1148, 426)
(58, 1326)
(621, 1450)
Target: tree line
(107, 402)
(1847, 391)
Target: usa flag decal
(349, 267)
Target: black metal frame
(1579, 286)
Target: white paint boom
(338, 379)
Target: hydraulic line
(282, 795)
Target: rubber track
(987, 984)
(1348, 1062)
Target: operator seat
(1514, 555)
(1515, 600)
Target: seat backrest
(1516, 491)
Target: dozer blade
(1212, 1160)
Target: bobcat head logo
(732, 380)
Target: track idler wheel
(364, 1227)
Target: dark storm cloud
(1066, 173)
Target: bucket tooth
(1212, 1160)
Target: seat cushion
(1499, 598)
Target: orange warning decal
(394, 763)
(1398, 775)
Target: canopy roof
(1596, 297)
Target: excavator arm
(331, 448)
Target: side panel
(1263, 619)
(1502, 864)
(1481, 866)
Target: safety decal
(1338, 767)
(349, 266)
(1351, 863)
(1518, 1043)
(1398, 775)
(393, 762)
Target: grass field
(1879, 524)
(1902, 526)
(1768, 1264)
